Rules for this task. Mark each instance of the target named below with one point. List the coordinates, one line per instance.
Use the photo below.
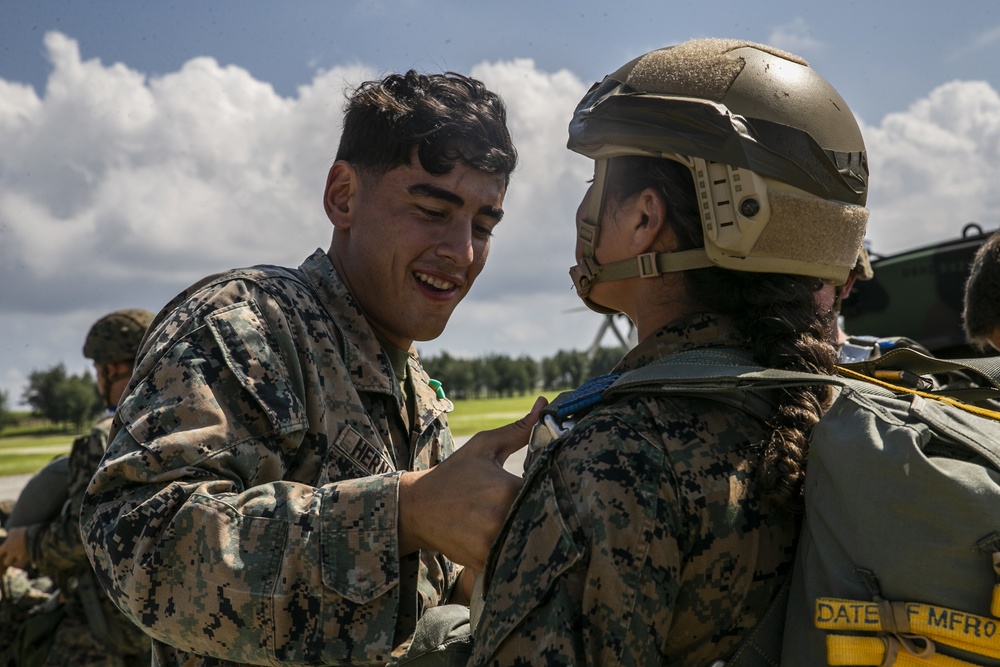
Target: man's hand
(14, 550)
(458, 506)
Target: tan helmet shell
(777, 157)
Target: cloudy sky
(145, 145)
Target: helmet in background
(116, 336)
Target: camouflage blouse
(246, 508)
(639, 537)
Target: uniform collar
(364, 358)
(700, 330)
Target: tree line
(498, 375)
(64, 400)
(73, 400)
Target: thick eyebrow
(428, 190)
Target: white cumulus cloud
(934, 167)
(119, 189)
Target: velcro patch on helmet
(700, 68)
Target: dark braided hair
(775, 314)
(449, 118)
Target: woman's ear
(340, 194)
(650, 222)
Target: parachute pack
(899, 558)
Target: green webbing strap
(729, 369)
(973, 409)
(984, 371)
(652, 264)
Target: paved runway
(11, 485)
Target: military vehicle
(918, 294)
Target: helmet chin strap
(588, 272)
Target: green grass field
(26, 449)
(22, 453)
(470, 417)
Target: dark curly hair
(981, 300)
(775, 314)
(449, 117)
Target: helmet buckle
(647, 265)
(588, 233)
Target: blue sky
(144, 145)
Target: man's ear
(649, 221)
(340, 196)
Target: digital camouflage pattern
(73, 622)
(246, 508)
(639, 537)
(20, 594)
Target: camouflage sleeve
(194, 533)
(586, 571)
(57, 546)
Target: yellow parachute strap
(969, 632)
(976, 410)
(884, 651)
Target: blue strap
(584, 397)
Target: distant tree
(456, 375)
(605, 359)
(40, 393)
(529, 375)
(501, 375)
(80, 400)
(486, 376)
(565, 370)
(550, 374)
(506, 372)
(5, 417)
(62, 398)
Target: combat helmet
(776, 155)
(116, 336)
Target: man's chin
(428, 335)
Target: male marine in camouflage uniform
(90, 631)
(276, 490)
(658, 529)
(981, 302)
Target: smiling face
(410, 244)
